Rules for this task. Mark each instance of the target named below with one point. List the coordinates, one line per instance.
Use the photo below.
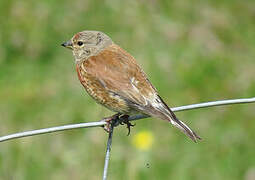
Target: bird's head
(87, 43)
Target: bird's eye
(80, 43)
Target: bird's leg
(112, 120)
(124, 120)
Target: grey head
(87, 43)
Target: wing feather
(120, 73)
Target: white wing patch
(134, 84)
(156, 102)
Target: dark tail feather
(185, 129)
(179, 124)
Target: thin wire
(214, 103)
(51, 130)
(107, 155)
(131, 118)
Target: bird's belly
(106, 99)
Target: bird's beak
(67, 44)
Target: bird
(113, 78)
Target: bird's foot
(124, 120)
(111, 121)
(115, 120)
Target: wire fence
(131, 118)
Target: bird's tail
(184, 128)
(170, 116)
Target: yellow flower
(143, 140)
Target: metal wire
(131, 118)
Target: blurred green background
(193, 51)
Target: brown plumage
(113, 78)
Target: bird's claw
(126, 121)
(116, 120)
(110, 121)
(128, 127)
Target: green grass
(192, 51)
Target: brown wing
(119, 73)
